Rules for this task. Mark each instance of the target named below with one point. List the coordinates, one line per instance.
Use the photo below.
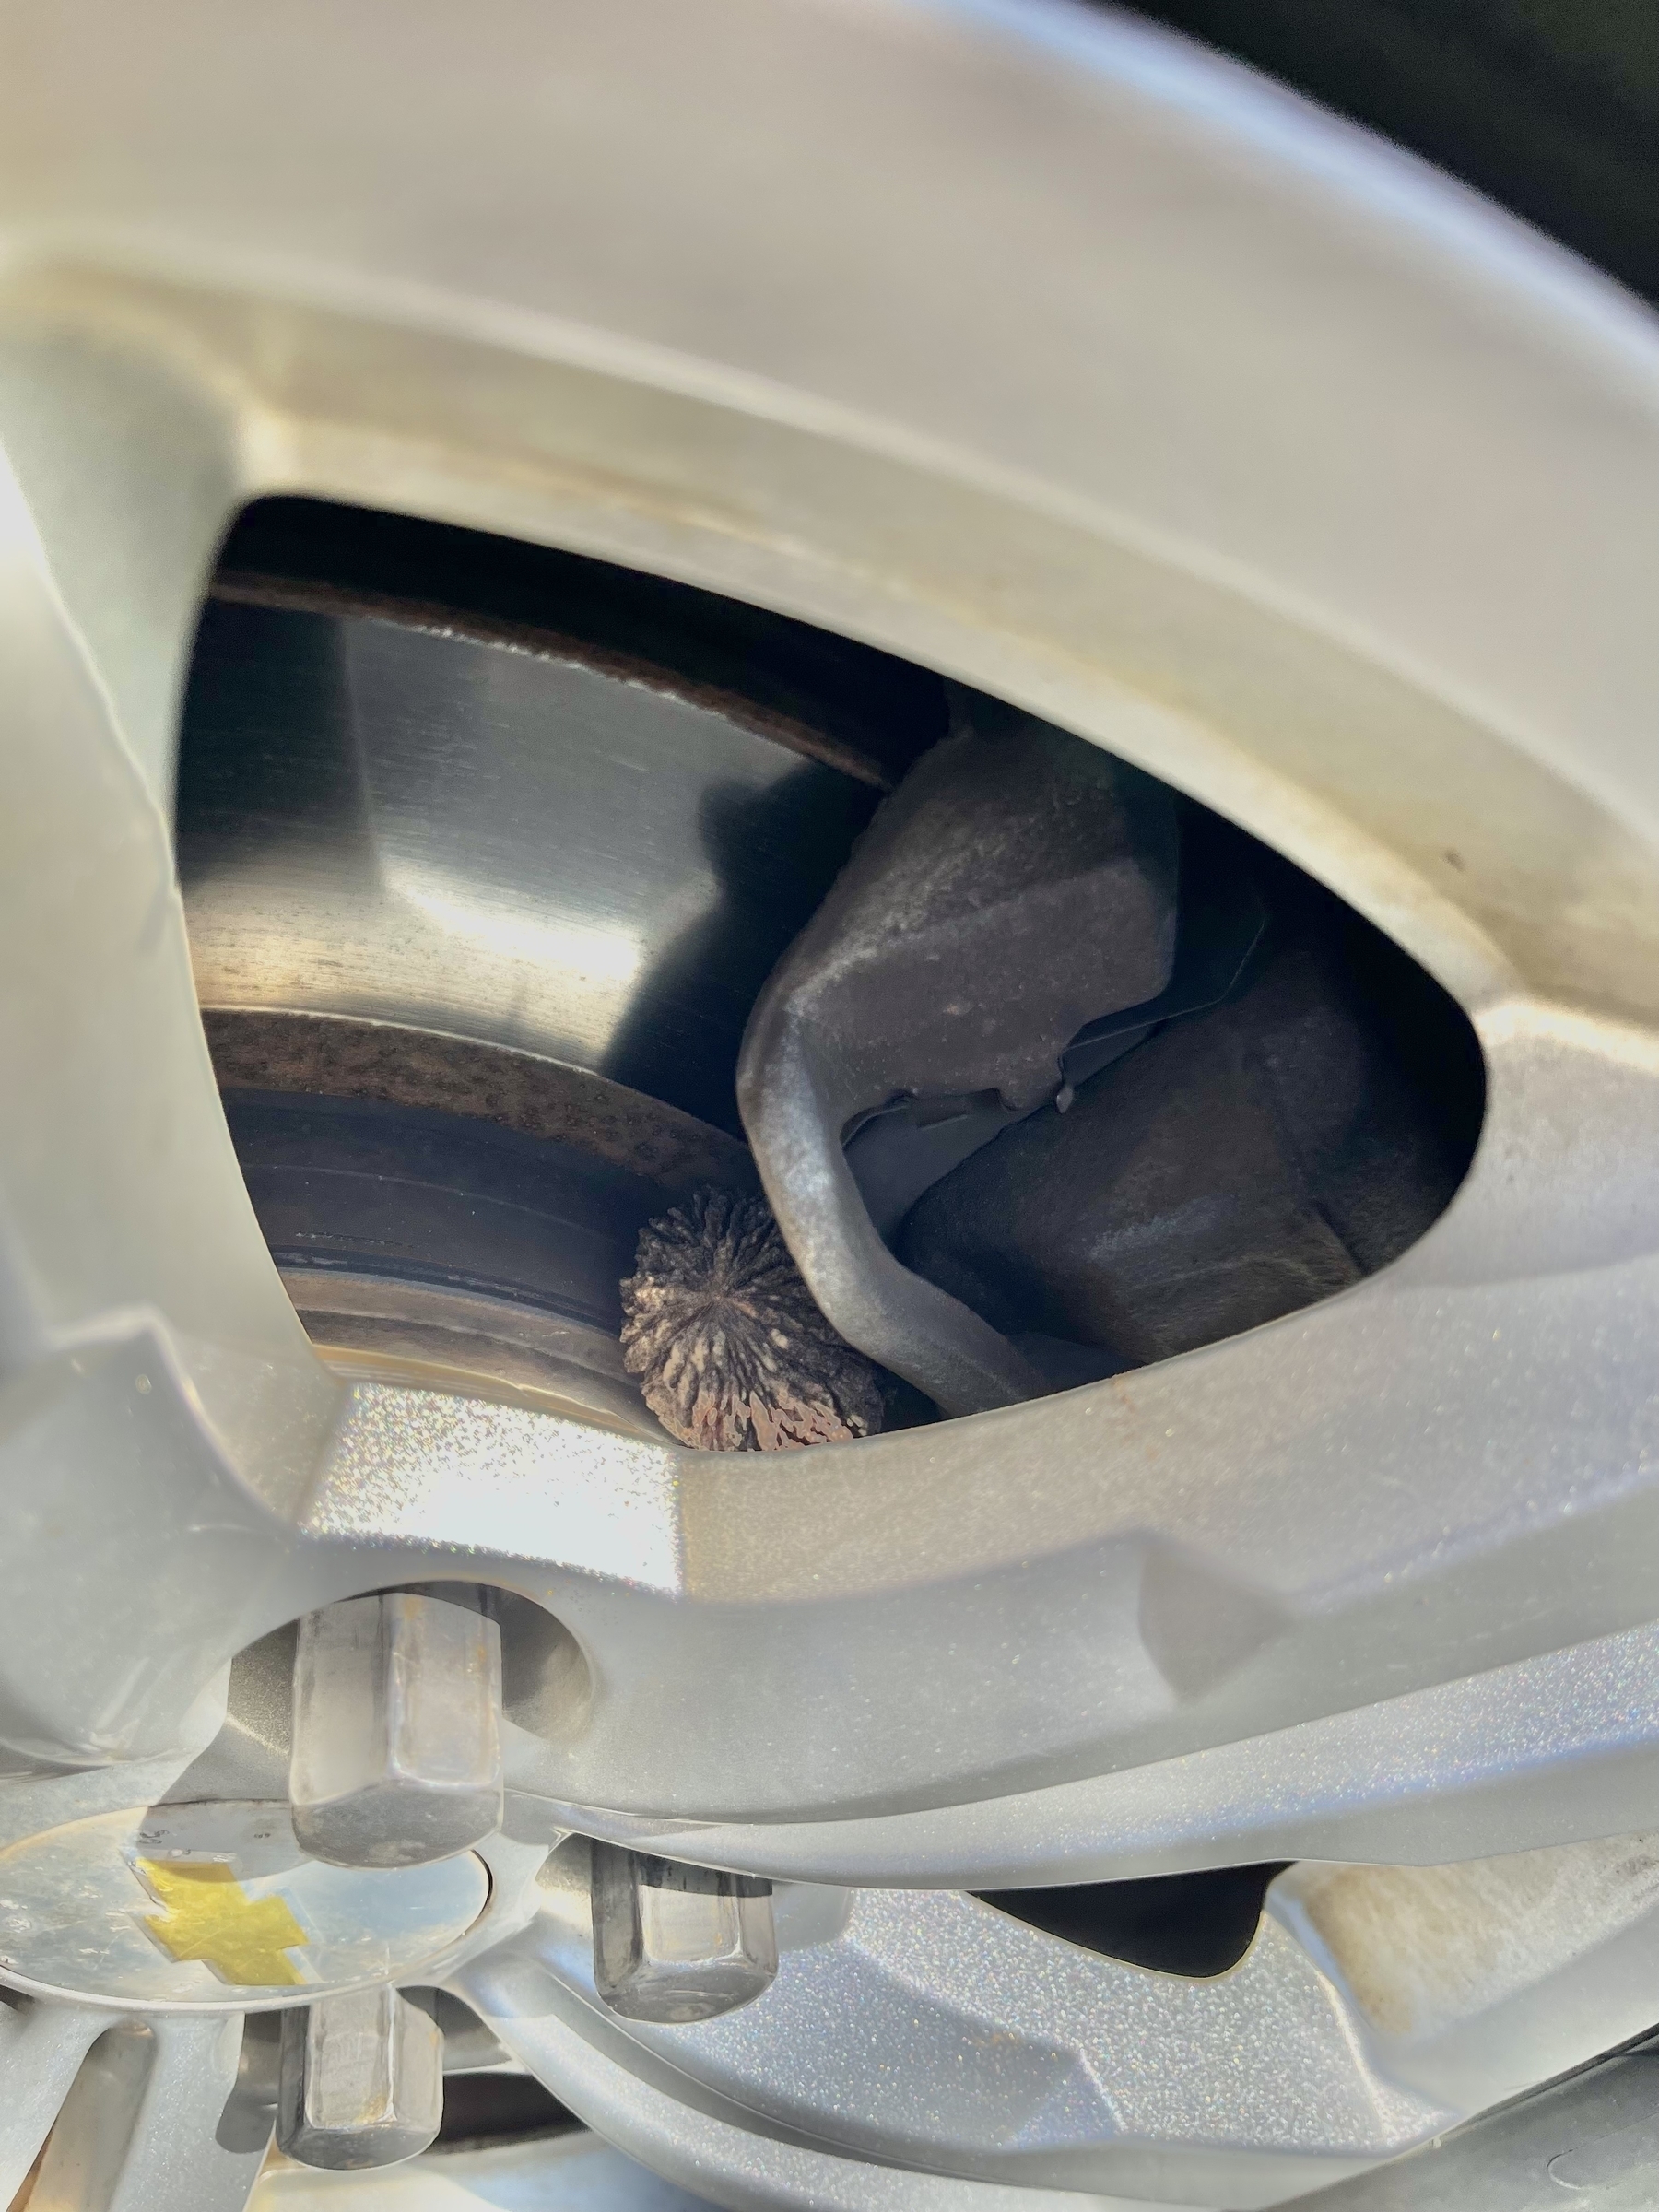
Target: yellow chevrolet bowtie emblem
(244, 1940)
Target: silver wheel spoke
(157, 1385)
(570, 2173)
(41, 2048)
(701, 2141)
(150, 2121)
(1020, 2091)
(1375, 2008)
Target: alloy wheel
(1032, 349)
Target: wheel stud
(397, 1750)
(678, 1942)
(361, 2080)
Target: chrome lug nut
(678, 1942)
(397, 1755)
(361, 2080)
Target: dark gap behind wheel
(1238, 1165)
(1198, 1924)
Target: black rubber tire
(1551, 107)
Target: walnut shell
(731, 1353)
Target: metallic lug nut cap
(676, 1943)
(361, 2080)
(396, 1754)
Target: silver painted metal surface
(933, 2030)
(397, 1753)
(139, 1316)
(154, 2118)
(42, 2047)
(574, 2172)
(468, 2047)
(361, 2080)
(678, 1942)
(1591, 2141)
(1436, 1774)
(699, 2142)
(1226, 358)
(1464, 1980)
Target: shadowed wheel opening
(482, 829)
(480, 2109)
(1196, 1924)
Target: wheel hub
(215, 1907)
